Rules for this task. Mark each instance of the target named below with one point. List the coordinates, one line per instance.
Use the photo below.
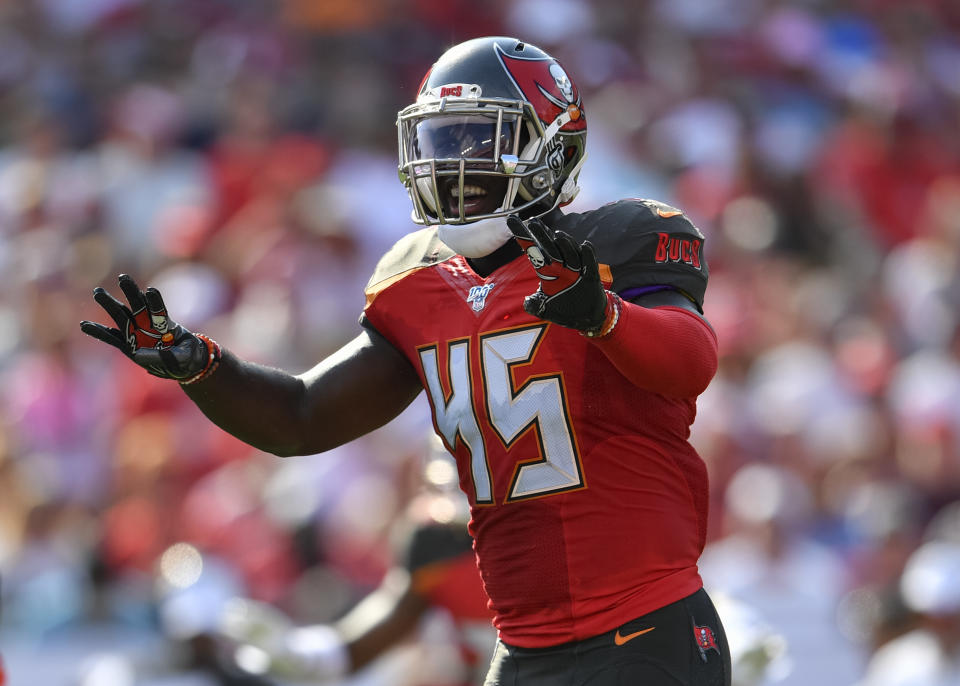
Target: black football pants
(682, 644)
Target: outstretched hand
(146, 335)
(570, 292)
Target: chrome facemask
(447, 137)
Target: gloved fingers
(132, 291)
(107, 335)
(535, 303)
(589, 257)
(541, 234)
(519, 228)
(569, 252)
(155, 301)
(158, 313)
(537, 255)
(118, 312)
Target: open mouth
(480, 196)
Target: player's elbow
(285, 451)
(311, 436)
(702, 367)
(292, 439)
(298, 434)
(694, 385)
(693, 369)
(306, 445)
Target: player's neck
(488, 264)
(506, 253)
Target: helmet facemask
(465, 159)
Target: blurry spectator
(928, 655)
(792, 582)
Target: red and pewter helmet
(498, 128)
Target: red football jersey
(588, 503)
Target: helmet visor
(452, 137)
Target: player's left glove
(150, 338)
(570, 292)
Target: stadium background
(240, 155)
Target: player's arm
(382, 619)
(322, 653)
(357, 389)
(659, 341)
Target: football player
(435, 571)
(562, 355)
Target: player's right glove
(570, 292)
(146, 335)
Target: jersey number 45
(538, 405)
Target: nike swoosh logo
(666, 214)
(620, 640)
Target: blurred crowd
(240, 155)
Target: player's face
(475, 138)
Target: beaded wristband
(611, 320)
(213, 360)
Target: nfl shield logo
(477, 296)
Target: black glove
(147, 336)
(570, 292)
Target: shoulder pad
(644, 243)
(414, 251)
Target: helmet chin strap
(477, 239)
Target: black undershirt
(488, 264)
